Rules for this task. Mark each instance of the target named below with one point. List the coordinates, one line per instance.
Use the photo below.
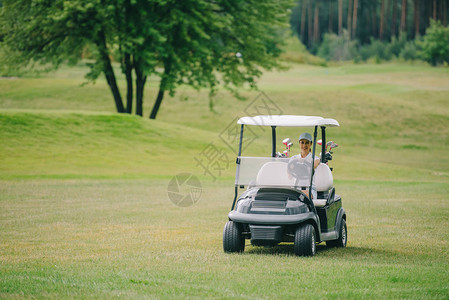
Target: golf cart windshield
(273, 172)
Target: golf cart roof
(288, 121)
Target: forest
(365, 20)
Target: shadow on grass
(323, 250)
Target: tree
(445, 13)
(368, 20)
(354, 18)
(381, 25)
(190, 42)
(434, 9)
(316, 23)
(404, 16)
(435, 45)
(394, 18)
(303, 21)
(340, 17)
(349, 22)
(309, 24)
(416, 17)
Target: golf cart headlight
(296, 207)
(243, 205)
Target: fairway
(84, 209)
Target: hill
(85, 213)
(394, 123)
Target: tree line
(364, 20)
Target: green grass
(84, 210)
(75, 144)
(90, 238)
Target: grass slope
(84, 210)
(394, 123)
(59, 144)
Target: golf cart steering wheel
(297, 169)
(293, 167)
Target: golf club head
(319, 142)
(289, 145)
(331, 144)
(279, 154)
(286, 141)
(286, 153)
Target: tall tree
(349, 21)
(368, 19)
(374, 31)
(309, 24)
(416, 17)
(316, 22)
(340, 17)
(331, 16)
(354, 18)
(434, 9)
(303, 20)
(404, 16)
(394, 18)
(445, 13)
(381, 25)
(190, 42)
(429, 12)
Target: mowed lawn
(84, 209)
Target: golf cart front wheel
(342, 238)
(305, 244)
(233, 239)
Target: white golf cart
(275, 207)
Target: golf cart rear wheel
(342, 238)
(305, 244)
(233, 239)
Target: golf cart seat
(274, 173)
(323, 182)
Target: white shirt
(309, 158)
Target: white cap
(305, 136)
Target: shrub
(377, 50)
(398, 44)
(337, 48)
(295, 51)
(435, 44)
(410, 51)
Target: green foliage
(435, 44)
(410, 51)
(397, 44)
(376, 49)
(40, 32)
(337, 48)
(325, 17)
(195, 42)
(294, 51)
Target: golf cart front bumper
(262, 219)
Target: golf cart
(276, 207)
